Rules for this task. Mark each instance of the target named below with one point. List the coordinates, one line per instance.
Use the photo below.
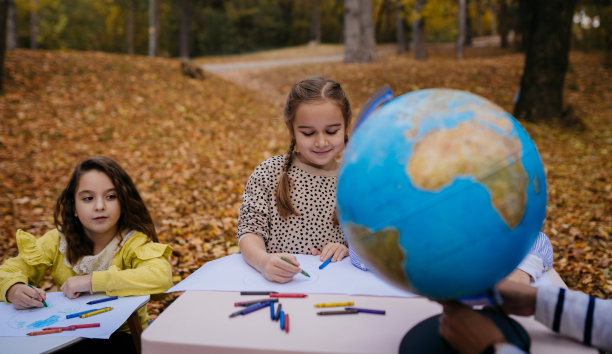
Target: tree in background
(418, 31)
(461, 25)
(152, 28)
(3, 13)
(315, 22)
(34, 24)
(11, 26)
(607, 26)
(186, 11)
(359, 38)
(130, 26)
(547, 43)
(399, 27)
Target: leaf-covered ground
(190, 145)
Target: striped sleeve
(543, 249)
(539, 259)
(577, 315)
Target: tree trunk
(606, 21)
(315, 22)
(546, 59)
(504, 23)
(493, 8)
(418, 31)
(399, 27)
(388, 19)
(479, 18)
(468, 24)
(152, 35)
(130, 26)
(3, 13)
(34, 23)
(11, 25)
(186, 11)
(157, 27)
(460, 30)
(360, 44)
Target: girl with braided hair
(289, 201)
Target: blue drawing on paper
(44, 323)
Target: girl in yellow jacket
(102, 243)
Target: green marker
(43, 301)
(301, 270)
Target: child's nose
(100, 204)
(320, 140)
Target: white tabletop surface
(198, 321)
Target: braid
(283, 192)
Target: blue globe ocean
(441, 193)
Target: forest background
(71, 91)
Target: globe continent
(441, 192)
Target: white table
(198, 322)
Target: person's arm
(538, 261)
(35, 256)
(147, 270)
(270, 265)
(577, 315)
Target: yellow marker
(85, 315)
(334, 304)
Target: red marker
(288, 295)
(287, 323)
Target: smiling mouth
(100, 218)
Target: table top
(199, 320)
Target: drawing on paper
(46, 316)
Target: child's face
(319, 133)
(97, 206)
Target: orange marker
(48, 331)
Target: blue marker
(101, 300)
(324, 264)
(282, 319)
(82, 313)
(272, 311)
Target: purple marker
(378, 312)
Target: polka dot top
(313, 195)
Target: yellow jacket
(140, 267)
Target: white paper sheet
(232, 273)
(17, 323)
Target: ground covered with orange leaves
(190, 145)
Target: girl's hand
(75, 285)
(519, 276)
(276, 270)
(336, 251)
(24, 297)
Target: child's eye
(86, 199)
(332, 132)
(111, 196)
(308, 133)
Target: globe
(441, 193)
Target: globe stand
(424, 337)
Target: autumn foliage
(190, 145)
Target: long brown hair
(310, 90)
(134, 213)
